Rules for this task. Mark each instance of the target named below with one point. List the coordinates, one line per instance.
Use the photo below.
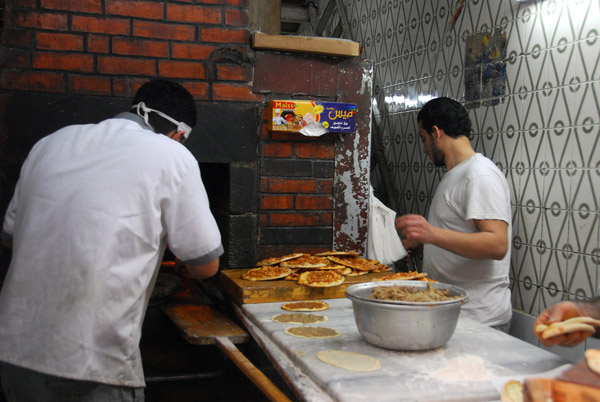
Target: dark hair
(447, 114)
(170, 98)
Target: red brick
(326, 186)
(17, 38)
(59, 41)
(84, 6)
(326, 218)
(263, 219)
(228, 72)
(32, 19)
(264, 184)
(191, 51)
(141, 9)
(15, 58)
(193, 13)
(127, 87)
(236, 17)
(231, 3)
(199, 90)
(140, 47)
(277, 150)
(293, 219)
(157, 30)
(113, 26)
(276, 202)
(125, 65)
(97, 43)
(83, 63)
(26, 3)
(81, 84)
(180, 69)
(224, 35)
(313, 202)
(292, 185)
(233, 92)
(316, 150)
(33, 81)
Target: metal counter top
(472, 366)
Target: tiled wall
(537, 116)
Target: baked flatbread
(266, 273)
(592, 358)
(312, 332)
(306, 261)
(310, 305)
(349, 360)
(292, 277)
(512, 391)
(338, 253)
(320, 279)
(343, 271)
(356, 272)
(353, 262)
(379, 267)
(298, 318)
(402, 276)
(277, 260)
(585, 324)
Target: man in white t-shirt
(93, 211)
(466, 237)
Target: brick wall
(79, 61)
(296, 192)
(111, 47)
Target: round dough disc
(349, 360)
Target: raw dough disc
(298, 318)
(312, 332)
(349, 360)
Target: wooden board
(248, 292)
(306, 44)
(200, 324)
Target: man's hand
(415, 229)
(557, 313)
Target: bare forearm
(478, 245)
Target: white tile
(583, 235)
(581, 273)
(554, 271)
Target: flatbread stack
(324, 269)
(585, 324)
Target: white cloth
(90, 219)
(474, 189)
(384, 243)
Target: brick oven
(66, 62)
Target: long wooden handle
(250, 370)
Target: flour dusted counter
(472, 366)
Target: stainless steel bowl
(403, 325)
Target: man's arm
(203, 271)
(490, 242)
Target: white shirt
(474, 189)
(90, 219)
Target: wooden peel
(263, 383)
(585, 324)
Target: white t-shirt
(90, 219)
(474, 189)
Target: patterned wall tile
(543, 131)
